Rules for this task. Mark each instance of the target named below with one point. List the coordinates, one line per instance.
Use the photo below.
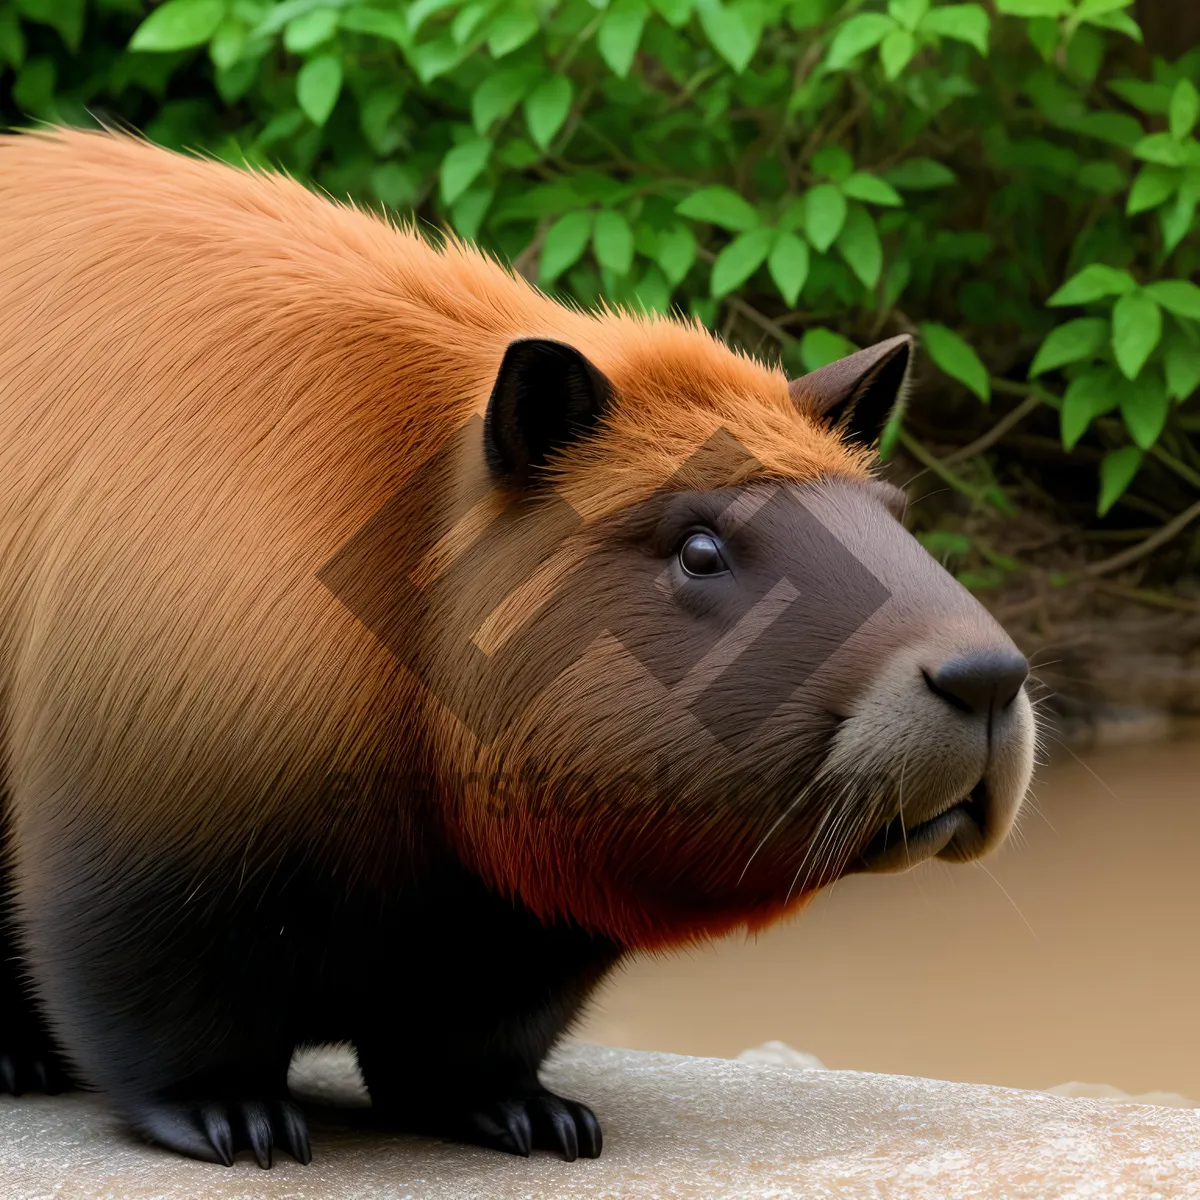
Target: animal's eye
(701, 555)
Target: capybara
(386, 649)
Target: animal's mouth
(956, 834)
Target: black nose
(980, 681)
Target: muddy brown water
(1072, 954)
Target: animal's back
(209, 379)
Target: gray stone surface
(674, 1127)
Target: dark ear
(546, 396)
(857, 392)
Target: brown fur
(229, 376)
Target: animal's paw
(526, 1121)
(31, 1070)
(215, 1130)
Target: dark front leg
(170, 992)
(29, 1060)
(461, 1059)
(494, 1100)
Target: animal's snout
(981, 681)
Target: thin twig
(997, 431)
(936, 465)
(1145, 596)
(763, 322)
(1152, 543)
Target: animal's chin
(955, 834)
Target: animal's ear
(546, 396)
(858, 392)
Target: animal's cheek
(935, 754)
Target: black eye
(701, 555)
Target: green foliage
(1015, 179)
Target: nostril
(980, 681)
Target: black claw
(214, 1131)
(8, 1076)
(258, 1132)
(218, 1131)
(180, 1128)
(554, 1125)
(587, 1129)
(521, 1128)
(293, 1132)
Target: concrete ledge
(674, 1127)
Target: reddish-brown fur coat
(209, 380)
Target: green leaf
(547, 107)
(907, 12)
(1119, 129)
(310, 30)
(1185, 108)
(468, 211)
(896, 279)
(859, 244)
(896, 52)
(1071, 342)
(65, 16)
(719, 206)
(1136, 328)
(1119, 21)
(733, 30)
(953, 355)
(462, 166)
(1117, 471)
(1152, 98)
(373, 21)
(420, 10)
(819, 347)
(612, 242)
(565, 242)
(226, 46)
(740, 259)
(1153, 185)
(12, 40)
(510, 29)
(1033, 8)
(1093, 282)
(856, 36)
(397, 185)
(1160, 148)
(788, 263)
(178, 25)
(676, 13)
(962, 22)
(318, 86)
(676, 252)
(834, 162)
(498, 94)
(1103, 176)
(824, 215)
(920, 175)
(431, 60)
(872, 189)
(1176, 219)
(468, 20)
(1087, 397)
(1177, 296)
(652, 292)
(620, 33)
(1182, 364)
(1144, 406)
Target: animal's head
(698, 667)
